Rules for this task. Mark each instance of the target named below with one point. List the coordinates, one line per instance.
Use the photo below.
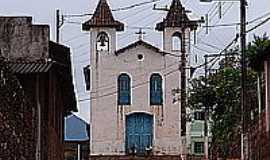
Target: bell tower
(102, 27)
(176, 29)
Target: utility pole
(243, 32)
(243, 4)
(183, 63)
(207, 24)
(59, 24)
(184, 25)
(206, 113)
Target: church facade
(135, 106)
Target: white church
(133, 109)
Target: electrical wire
(140, 11)
(75, 37)
(201, 49)
(257, 26)
(260, 17)
(114, 10)
(210, 45)
(135, 5)
(112, 85)
(225, 49)
(133, 87)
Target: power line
(108, 86)
(76, 15)
(114, 10)
(140, 75)
(133, 87)
(140, 11)
(215, 12)
(75, 37)
(260, 24)
(222, 25)
(112, 85)
(260, 17)
(201, 49)
(135, 5)
(213, 8)
(210, 45)
(215, 25)
(225, 49)
(237, 23)
(140, 27)
(209, 26)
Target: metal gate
(139, 133)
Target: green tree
(221, 92)
(255, 52)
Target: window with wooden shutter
(124, 90)
(156, 93)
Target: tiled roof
(176, 17)
(137, 43)
(103, 18)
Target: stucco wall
(108, 119)
(21, 39)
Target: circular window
(140, 57)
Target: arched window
(176, 41)
(156, 90)
(124, 90)
(102, 42)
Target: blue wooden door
(139, 133)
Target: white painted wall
(108, 119)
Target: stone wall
(21, 39)
(17, 119)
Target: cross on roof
(140, 33)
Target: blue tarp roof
(76, 129)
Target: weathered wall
(17, 120)
(21, 39)
(108, 119)
(165, 157)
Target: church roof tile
(103, 17)
(176, 17)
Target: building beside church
(36, 91)
(76, 138)
(135, 107)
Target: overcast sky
(43, 12)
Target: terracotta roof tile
(103, 18)
(176, 17)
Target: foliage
(255, 52)
(221, 93)
(222, 96)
